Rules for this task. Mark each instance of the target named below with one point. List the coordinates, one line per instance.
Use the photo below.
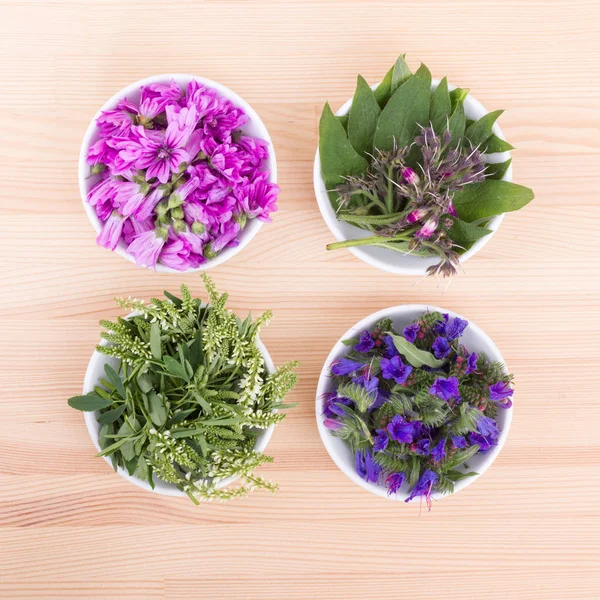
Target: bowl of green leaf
(182, 397)
(413, 175)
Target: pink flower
(428, 228)
(130, 197)
(452, 210)
(259, 198)
(156, 96)
(117, 122)
(223, 158)
(102, 196)
(409, 176)
(227, 234)
(147, 246)
(178, 255)
(133, 227)
(100, 152)
(205, 100)
(416, 215)
(110, 234)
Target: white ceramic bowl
(473, 338)
(254, 127)
(95, 372)
(387, 259)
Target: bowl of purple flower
(177, 173)
(414, 402)
(413, 175)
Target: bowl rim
(396, 313)
(253, 225)
(394, 264)
(96, 364)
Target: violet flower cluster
(414, 425)
(177, 178)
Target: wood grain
(529, 529)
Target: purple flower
(501, 392)
(259, 198)
(458, 441)
(177, 254)
(366, 467)
(390, 347)
(440, 326)
(439, 451)
(482, 441)
(333, 424)
(110, 234)
(401, 431)
(409, 176)
(345, 366)
(455, 328)
(424, 487)
(423, 446)
(394, 482)
(394, 368)
(381, 440)
(441, 347)
(428, 228)
(146, 247)
(334, 406)
(366, 344)
(416, 215)
(471, 363)
(410, 332)
(445, 388)
(452, 210)
(488, 427)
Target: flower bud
(428, 228)
(416, 215)
(198, 227)
(240, 219)
(179, 226)
(161, 208)
(409, 176)
(208, 252)
(174, 200)
(97, 168)
(452, 210)
(177, 213)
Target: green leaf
(343, 119)
(142, 470)
(89, 402)
(202, 402)
(384, 90)
(457, 96)
(157, 410)
(458, 475)
(464, 234)
(460, 457)
(174, 299)
(497, 170)
(196, 352)
(110, 416)
(115, 380)
(496, 144)
(362, 118)
(128, 428)
(182, 415)
(441, 107)
(415, 471)
(480, 132)
(416, 357)
(113, 447)
(456, 123)
(350, 341)
(175, 368)
(400, 73)
(407, 108)
(155, 344)
(338, 158)
(489, 198)
(145, 382)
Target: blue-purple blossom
(401, 431)
(439, 451)
(446, 389)
(410, 332)
(424, 486)
(394, 368)
(487, 426)
(501, 392)
(484, 442)
(390, 347)
(366, 467)
(452, 328)
(441, 347)
(440, 326)
(394, 482)
(471, 363)
(423, 446)
(345, 366)
(334, 406)
(366, 344)
(381, 440)
(459, 441)
(333, 424)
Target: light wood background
(529, 529)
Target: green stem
(390, 190)
(376, 239)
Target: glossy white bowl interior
(254, 127)
(386, 259)
(95, 372)
(475, 339)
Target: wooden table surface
(528, 529)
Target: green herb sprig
(191, 395)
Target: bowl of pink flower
(177, 173)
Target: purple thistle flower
(424, 487)
(439, 451)
(445, 388)
(394, 482)
(390, 347)
(501, 392)
(381, 440)
(345, 366)
(366, 344)
(394, 368)
(471, 363)
(410, 332)
(146, 247)
(428, 228)
(459, 441)
(400, 431)
(110, 234)
(365, 466)
(441, 347)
